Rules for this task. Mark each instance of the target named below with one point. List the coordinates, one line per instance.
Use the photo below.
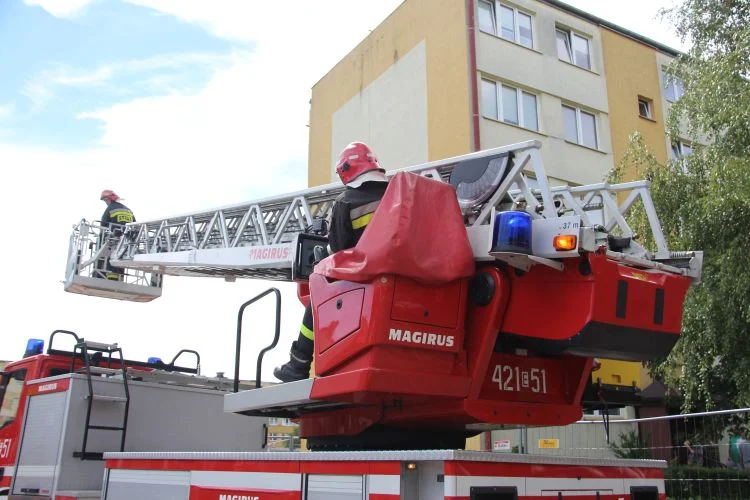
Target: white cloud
(38, 93)
(7, 110)
(307, 38)
(242, 136)
(70, 78)
(161, 75)
(61, 8)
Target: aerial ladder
(405, 361)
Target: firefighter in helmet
(115, 216)
(365, 181)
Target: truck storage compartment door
(40, 444)
(126, 484)
(335, 487)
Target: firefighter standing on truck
(115, 216)
(358, 169)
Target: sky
(179, 106)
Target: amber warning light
(564, 242)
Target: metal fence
(708, 454)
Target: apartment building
(439, 78)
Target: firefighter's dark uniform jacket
(117, 213)
(352, 211)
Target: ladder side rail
(90, 402)
(124, 370)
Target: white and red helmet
(110, 195)
(356, 159)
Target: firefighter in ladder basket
(115, 216)
(358, 169)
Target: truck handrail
(52, 336)
(171, 365)
(264, 350)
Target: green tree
(703, 200)
(631, 445)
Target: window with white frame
(673, 87)
(506, 22)
(573, 48)
(509, 104)
(645, 108)
(487, 16)
(580, 127)
(681, 150)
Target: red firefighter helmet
(356, 159)
(108, 194)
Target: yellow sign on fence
(549, 443)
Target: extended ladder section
(260, 239)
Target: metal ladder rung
(111, 399)
(100, 346)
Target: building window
(509, 104)
(573, 48)
(645, 108)
(580, 127)
(487, 16)
(673, 87)
(514, 24)
(616, 412)
(681, 150)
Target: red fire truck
(62, 409)
(478, 298)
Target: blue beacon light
(512, 232)
(34, 347)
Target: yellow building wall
(474, 443)
(446, 39)
(631, 71)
